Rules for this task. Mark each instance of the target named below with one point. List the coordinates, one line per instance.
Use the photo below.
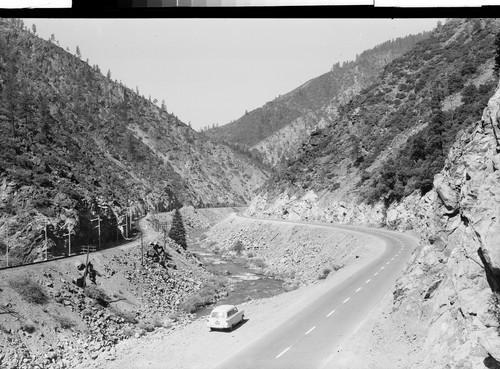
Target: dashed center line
(331, 312)
(359, 289)
(376, 274)
(310, 330)
(368, 281)
(285, 350)
(382, 268)
(347, 299)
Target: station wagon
(224, 317)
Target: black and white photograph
(249, 192)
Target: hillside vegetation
(392, 138)
(274, 131)
(76, 144)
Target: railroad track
(129, 244)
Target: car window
(218, 314)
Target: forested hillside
(76, 144)
(393, 137)
(274, 131)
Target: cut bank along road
(310, 338)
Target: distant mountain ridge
(76, 144)
(275, 131)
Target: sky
(210, 71)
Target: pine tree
(177, 231)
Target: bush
(28, 327)
(325, 273)
(97, 294)
(147, 326)
(64, 322)
(29, 290)
(205, 296)
(238, 247)
(259, 263)
(127, 316)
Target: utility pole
(98, 227)
(126, 225)
(164, 227)
(46, 246)
(7, 243)
(142, 251)
(131, 219)
(70, 232)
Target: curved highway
(310, 338)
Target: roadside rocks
(81, 325)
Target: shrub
(205, 296)
(259, 263)
(28, 327)
(97, 294)
(238, 247)
(64, 322)
(29, 290)
(127, 316)
(174, 316)
(147, 326)
(325, 273)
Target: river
(245, 283)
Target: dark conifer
(177, 231)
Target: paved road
(310, 338)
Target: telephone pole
(46, 245)
(7, 243)
(164, 228)
(98, 227)
(70, 232)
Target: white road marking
(310, 330)
(359, 289)
(382, 268)
(347, 299)
(376, 274)
(285, 350)
(368, 281)
(331, 312)
(387, 263)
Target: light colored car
(224, 317)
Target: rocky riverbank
(296, 253)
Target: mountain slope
(275, 131)
(76, 144)
(392, 138)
